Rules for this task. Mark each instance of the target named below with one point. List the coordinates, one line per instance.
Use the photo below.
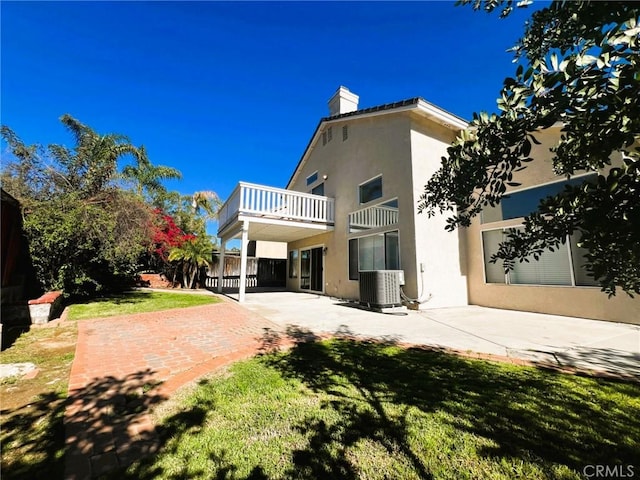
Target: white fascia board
(441, 116)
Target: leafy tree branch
(579, 69)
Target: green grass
(32, 432)
(346, 409)
(136, 302)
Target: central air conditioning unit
(381, 288)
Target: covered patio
(258, 212)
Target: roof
(5, 197)
(380, 109)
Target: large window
(562, 266)
(370, 190)
(524, 202)
(374, 252)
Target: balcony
(274, 214)
(377, 216)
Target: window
(329, 134)
(305, 270)
(318, 190)
(581, 276)
(324, 138)
(345, 133)
(370, 190)
(371, 253)
(524, 202)
(312, 178)
(562, 266)
(293, 264)
(374, 252)
(353, 259)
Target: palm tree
(194, 254)
(91, 165)
(147, 176)
(206, 202)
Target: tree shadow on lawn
(375, 390)
(527, 413)
(188, 421)
(28, 454)
(56, 430)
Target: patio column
(243, 261)
(223, 244)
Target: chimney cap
(343, 101)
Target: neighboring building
(18, 277)
(350, 205)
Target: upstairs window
(318, 190)
(345, 133)
(312, 178)
(370, 190)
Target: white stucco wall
(266, 249)
(441, 253)
(405, 152)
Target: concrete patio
(608, 347)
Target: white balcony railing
(258, 200)
(373, 217)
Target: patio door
(311, 269)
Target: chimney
(343, 101)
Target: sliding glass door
(311, 269)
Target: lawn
(32, 432)
(348, 409)
(137, 302)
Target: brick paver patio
(124, 365)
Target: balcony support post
(243, 261)
(223, 244)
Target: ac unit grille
(380, 288)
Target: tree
(85, 233)
(148, 177)
(579, 64)
(193, 254)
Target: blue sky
(233, 91)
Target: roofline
(7, 197)
(417, 104)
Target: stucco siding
(577, 301)
(438, 252)
(374, 146)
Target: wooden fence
(261, 272)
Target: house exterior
(557, 283)
(351, 205)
